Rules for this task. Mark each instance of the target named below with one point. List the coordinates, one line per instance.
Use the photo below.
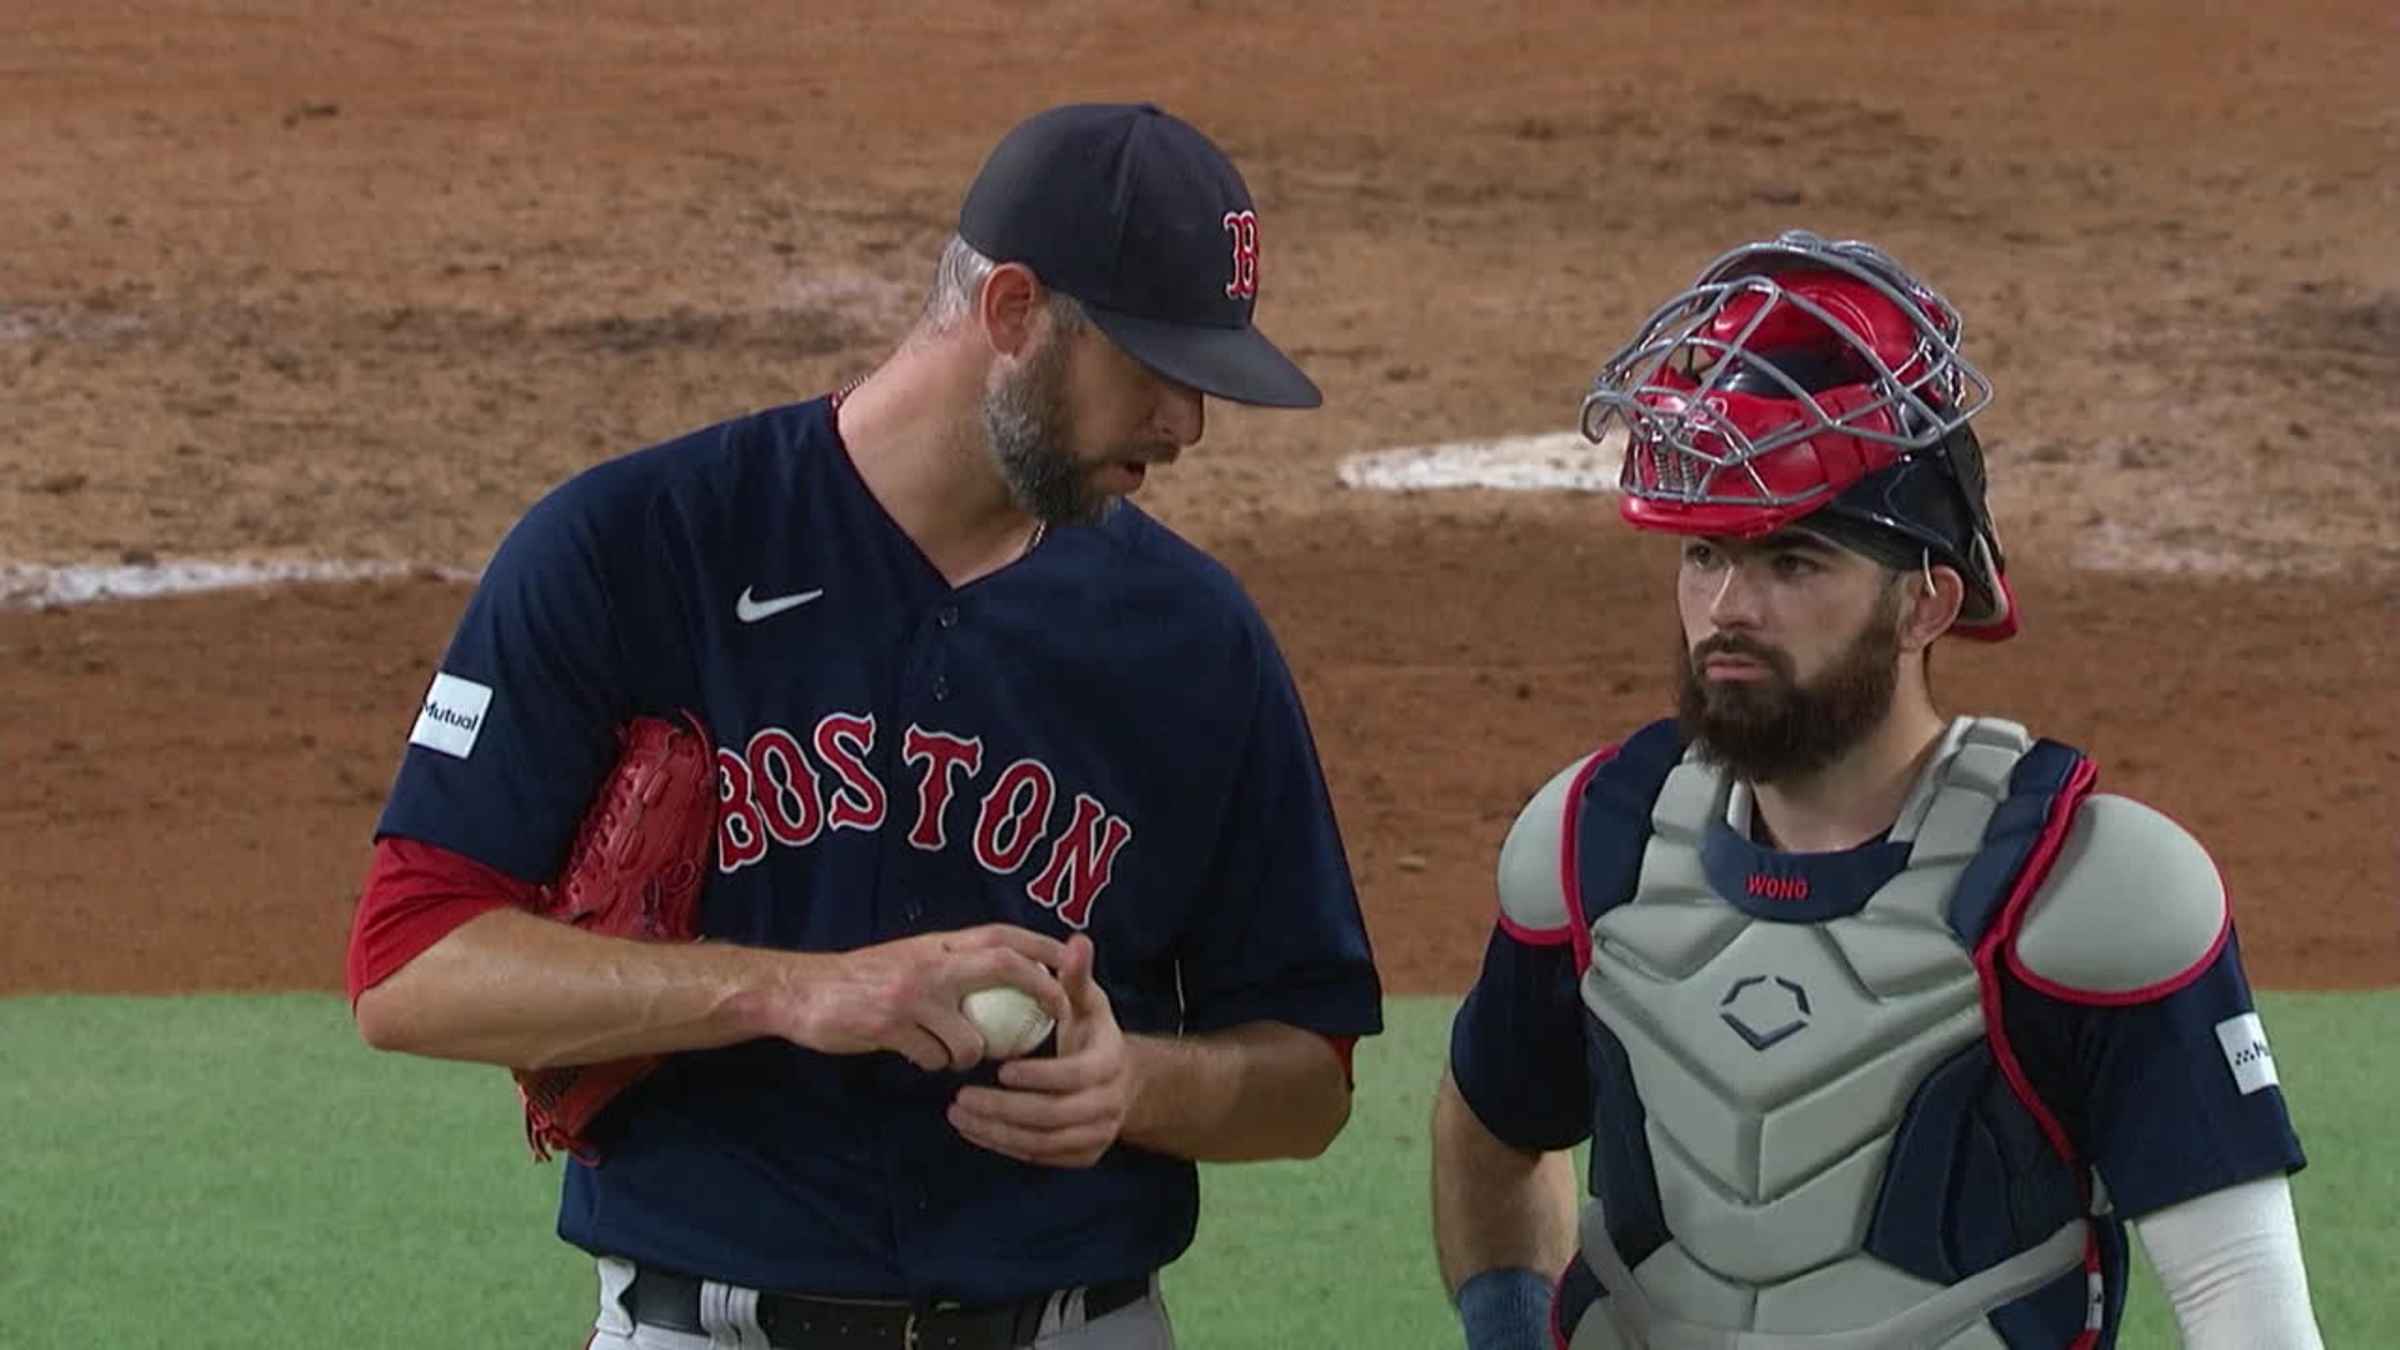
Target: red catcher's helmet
(1806, 378)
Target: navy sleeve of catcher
(519, 724)
(1284, 940)
(2171, 1098)
(1517, 1045)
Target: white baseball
(1011, 1022)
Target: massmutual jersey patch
(2243, 1038)
(788, 789)
(452, 716)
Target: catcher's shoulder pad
(2133, 905)
(1533, 894)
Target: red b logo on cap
(1243, 226)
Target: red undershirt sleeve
(415, 894)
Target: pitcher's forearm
(513, 989)
(1495, 1206)
(1261, 1090)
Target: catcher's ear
(1935, 595)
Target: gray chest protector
(1775, 1029)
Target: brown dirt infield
(288, 279)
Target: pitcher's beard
(1025, 419)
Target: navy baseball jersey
(1101, 737)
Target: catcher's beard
(1025, 417)
(1771, 730)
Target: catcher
(1883, 1025)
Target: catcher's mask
(1801, 377)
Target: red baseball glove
(634, 871)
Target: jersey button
(913, 912)
(941, 687)
(947, 617)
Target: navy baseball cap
(1142, 219)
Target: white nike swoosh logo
(751, 611)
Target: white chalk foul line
(1560, 462)
(40, 586)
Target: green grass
(241, 1172)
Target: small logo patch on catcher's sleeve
(453, 715)
(2245, 1041)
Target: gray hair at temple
(958, 278)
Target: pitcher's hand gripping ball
(634, 871)
(1011, 1022)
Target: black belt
(671, 1302)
